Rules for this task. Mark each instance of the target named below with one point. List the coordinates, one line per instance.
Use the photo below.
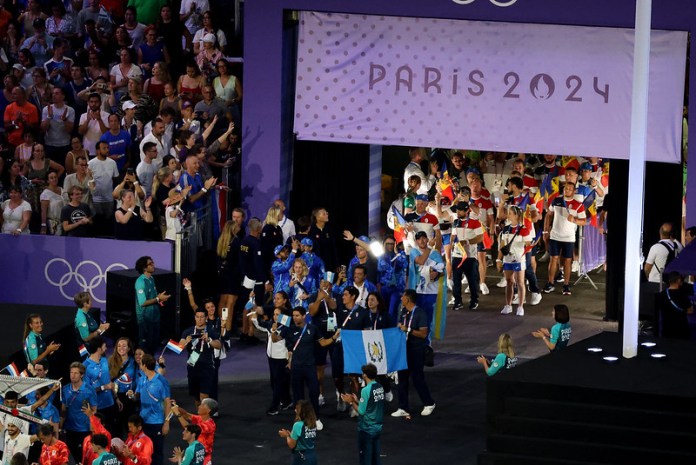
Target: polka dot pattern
(478, 85)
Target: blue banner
(384, 348)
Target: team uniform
(194, 454)
(34, 345)
(148, 316)
(415, 353)
(562, 236)
(501, 361)
(77, 424)
(105, 458)
(207, 436)
(419, 279)
(371, 411)
(515, 237)
(391, 270)
(303, 453)
(281, 272)
(153, 394)
(142, 448)
(84, 325)
(560, 335)
(465, 258)
(56, 454)
(485, 210)
(301, 342)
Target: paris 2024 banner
(483, 85)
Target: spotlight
(376, 248)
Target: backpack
(672, 253)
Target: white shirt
(277, 350)
(104, 172)
(288, 227)
(161, 150)
(195, 21)
(12, 219)
(146, 173)
(21, 443)
(427, 182)
(94, 132)
(657, 256)
(173, 224)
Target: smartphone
(85, 404)
(225, 313)
(129, 171)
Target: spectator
(156, 136)
(173, 31)
(16, 213)
(119, 142)
(76, 216)
(505, 359)
(41, 91)
(103, 21)
(95, 68)
(57, 122)
(20, 116)
(58, 67)
(136, 30)
(10, 81)
(154, 86)
(174, 215)
(173, 101)
(145, 106)
(190, 14)
(77, 397)
(82, 177)
(26, 19)
(151, 51)
(52, 204)
(146, 169)
(209, 56)
(94, 123)
(124, 71)
(39, 43)
(104, 172)
(191, 177)
(147, 10)
(209, 28)
(190, 85)
(130, 217)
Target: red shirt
(31, 119)
(88, 454)
(207, 435)
(142, 448)
(55, 454)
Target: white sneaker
(535, 298)
(450, 283)
(516, 299)
(320, 425)
(544, 258)
(575, 266)
(464, 280)
(502, 282)
(484, 289)
(467, 290)
(322, 402)
(389, 396)
(451, 301)
(506, 310)
(520, 311)
(427, 410)
(400, 413)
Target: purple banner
(483, 85)
(50, 270)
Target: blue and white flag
(384, 348)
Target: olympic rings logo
(494, 2)
(86, 281)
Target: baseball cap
(364, 239)
(186, 104)
(278, 249)
(128, 105)
(209, 38)
(18, 66)
(422, 197)
(420, 234)
(474, 170)
(585, 166)
(462, 206)
(307, 241)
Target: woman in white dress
(52, 203)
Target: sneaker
(566, 290)
(322, 402)
(389, 396)
(452, 301)
(506, 310)
(516, 299)
(458, 306)
(502, 282)
(549, 288)
(271, 412)
(341, 406)
(400, 413)
(520, 311)
(464, 280)
(484, 289)
(544, 258)
(450, 283)
(320, 425)
(559, 277)
(575, 266)
(287, 406)
(427, 410)
(473, 305)
(467, 290)
(353, 413)
(535, 298)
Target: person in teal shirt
(559, 335)
(505, 359)
(147, 302)
(99, 444)
(35, 348)
(304, 431)
(86, 328)
(370, 409)
(194, 453)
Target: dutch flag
(384, 348)
(12, 369)
(83, 351)
(174, 347)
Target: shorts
(514, 266)
(564, 249)
(201, 379)
(480, 247)
(446, 239)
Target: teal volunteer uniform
(194, 454)
(106, 458)
(303, 453)
(371, 411)
(148, 315)
(560, 335)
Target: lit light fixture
(610, 359)
(595, 350)
(376, 248)
(659, 356)
(648, 345)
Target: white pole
(636, 175)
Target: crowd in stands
(106, 104)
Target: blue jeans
(369, 448)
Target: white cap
(209, 38)
(18, 66)
(128, 104)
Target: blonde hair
(159, 178)
(272, 216)
(505, 345)
(305, 269)
(229, 232)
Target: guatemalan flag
(384, 348)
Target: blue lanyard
(299, 338)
